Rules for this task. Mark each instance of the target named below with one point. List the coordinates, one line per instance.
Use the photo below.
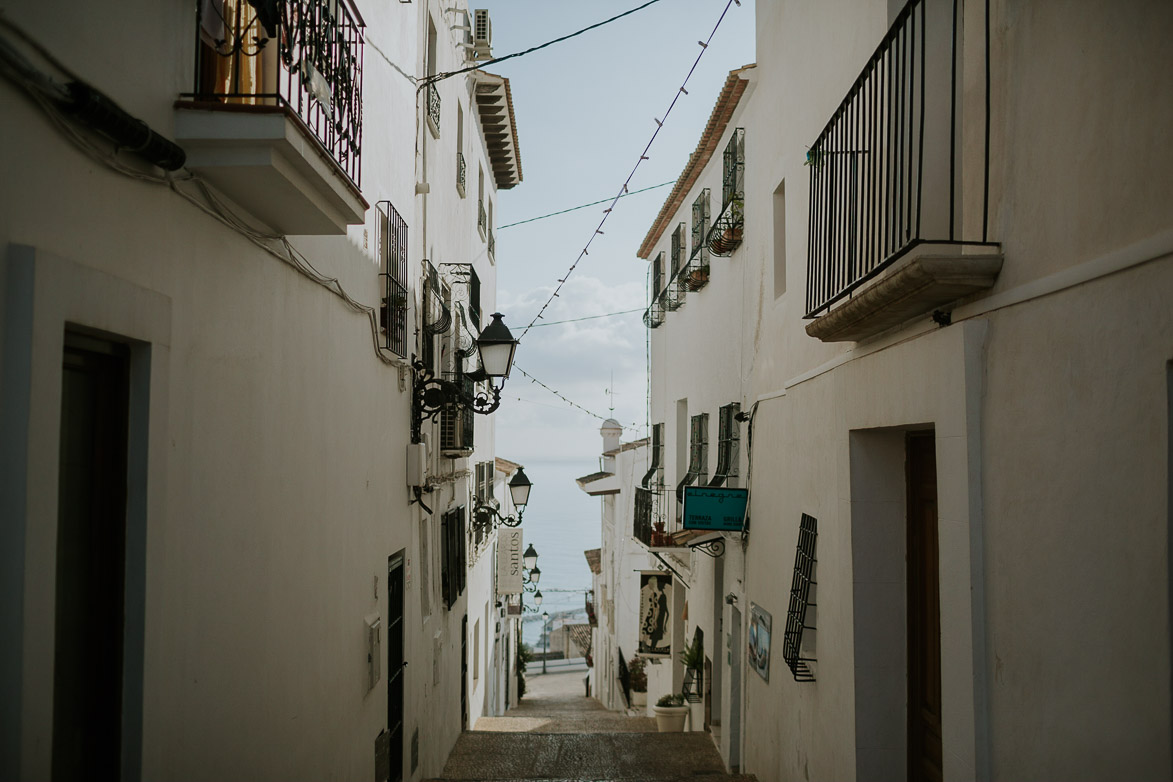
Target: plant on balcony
(727, 235)
(698, 277)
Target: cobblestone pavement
(557, 733)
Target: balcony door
(91, 561)
(924, 612)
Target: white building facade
(944, 319)
(213, 456)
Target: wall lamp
(488, 516)
(432, 394)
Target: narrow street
(557, 733)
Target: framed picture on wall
(758, 647)
(655, 626)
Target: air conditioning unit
(482, 34)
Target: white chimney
(611, 430)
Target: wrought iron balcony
(696, 274)
(492, 244)
(885, 172)
(654, 314)
(460, 173)
(725, 235)
(303, 58)
(482, 219)
(434, 109)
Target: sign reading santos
(509, 561)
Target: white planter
(639, 698)
(670, 719)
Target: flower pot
(639, 699)
(697, 279)
(670, 719)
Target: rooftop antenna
(611, 394)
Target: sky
(585, 110)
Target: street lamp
(497, 347)
(488, 516)
(545, 639)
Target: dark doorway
(924, 611)
(91, 560)
(464, 673)
(395, 665)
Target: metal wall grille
(392, 243)
(698, 457)
(726, 234)
(884, 169)
(728, 446)
(696, 275)
(800, 588)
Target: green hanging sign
(715, 508)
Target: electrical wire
(583, 206)
(588, 317)
(627, 182)
(566, 399)
(41, 88)
(440, 76)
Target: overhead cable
(587, 317)
(568, 401)
(582, 206)
(440, 76)
(624, 190)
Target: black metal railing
(642, 520)
(884, 171)
(434, 108)
(492, 242)
(482, 218)
(460, 173)
(393, 249)
(304, 56)
(726, 233)
(800, 590)
(696, 274)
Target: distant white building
(928, 327)
(216, 556)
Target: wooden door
(924, 611)
(395, 665)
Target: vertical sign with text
(509, 561)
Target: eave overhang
(494, 101)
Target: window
(433, 94)
(489, 230)
(648, 493)
(780, 240)
(483, 491)
(425, 567)
(726, 233)
(435, 314)
(460, 149)
(697, 273)
(698, 456)
(392, 243)
(481, 217)
(453, 556)
(728, 446)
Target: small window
(780, 240)
(392, 242)
(728, 446)
(698, 456)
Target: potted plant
(698, 277)
(693, 658)
(637, 671)
(670, 713)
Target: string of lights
(583, 206)
(566, 399)
(627, 182)
(587, 317)
(447, 74)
